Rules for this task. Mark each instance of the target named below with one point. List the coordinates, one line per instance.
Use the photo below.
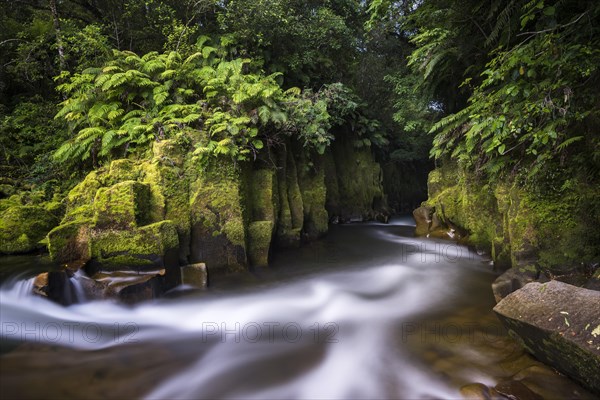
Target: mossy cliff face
(354, 181)
(554, 232)
(170, 209)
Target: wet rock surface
(560, 325)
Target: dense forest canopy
(499, 86)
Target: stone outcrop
(546, 231)
(170, 209)
(559, 324)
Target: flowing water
(368, 312)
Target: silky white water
(337, 319)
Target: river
(368, 312)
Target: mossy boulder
(147, 246)
(23, 227)
(259, 242)
(559, 324)
(84, 193)
(122, 170)
(70, 241)
(124, 205)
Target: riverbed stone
(511, 280)
(422, 216)
(559, 324)
(194, 275)
(479, 391)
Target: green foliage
(533, 101)
(311, 42)
(131, 101)
(28, 135)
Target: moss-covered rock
(124, 205)
(169, 179)
(311, 179)
(70, 241)
(122, 170)
(550, 231)
(84, 193)
(218, 236)
(23, 227)
(559, 324)
(141, 247)
(354, 180)
(262, 194)
(259, 242)
(291, 208)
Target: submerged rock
(511, 280)
(560, 325)
(422, 216)
(194, 275)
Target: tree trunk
(59, 43)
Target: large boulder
(148, 247)
(22, 227)
(559, 324)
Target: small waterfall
(77, 287)
(20, 288)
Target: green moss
(259, 242)
(150, 240)
(82, 213)
(356, 176)
(56, 208)
(234, 230)
(151, 176)
(124, 205)
(70, 241)
(551, 231)
(128, 262)
(262, 196)
(22, 227)
(84, 193)
(169, 151)
(314, 195)
(217, 216)
(217, 203)
(294, 195)
(122, 170)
